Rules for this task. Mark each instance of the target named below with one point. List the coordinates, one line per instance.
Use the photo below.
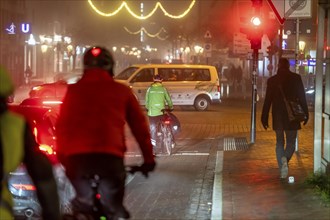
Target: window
(145, 75)
(125, 74)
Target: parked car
(42, 119)
(57, 88)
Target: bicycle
(97, 212)
(165, 138)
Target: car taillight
(47, 149)
(28, 187)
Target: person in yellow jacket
(18, 145)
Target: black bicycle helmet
(98, 57)
(158, 78)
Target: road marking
(217, 188)
(191, 154)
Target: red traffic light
(253, 29)
(256, 21)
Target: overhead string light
(142, 17)
(148, 34)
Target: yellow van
(194, 85)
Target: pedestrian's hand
(265, 125)
(147, 167)
(305, 121)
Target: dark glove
(265, 124)
(146, 168)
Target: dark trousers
(285, 144)
(111, 169)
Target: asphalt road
(182, 185)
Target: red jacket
(93, 116)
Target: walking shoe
(284, 168)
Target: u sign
(25, 28)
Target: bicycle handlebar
(134, 169)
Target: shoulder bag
(294, 109)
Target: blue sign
(311, 62)
(11, 29)
(292, 62)
(25, 28)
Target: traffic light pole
(254, 95)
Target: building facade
(12, 37)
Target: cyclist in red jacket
(91, 137)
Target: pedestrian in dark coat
(286, 131)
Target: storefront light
(44, 48)
(31, 40)
(302, 45)
(57, 38)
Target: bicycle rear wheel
(168, 140)
(159, 139)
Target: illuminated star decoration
(142, 17)
(148, 34)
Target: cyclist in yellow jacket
(17, 145)
(157, 97)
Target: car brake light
(47, 149)
(28, 187)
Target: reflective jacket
(93, 117)
(11, 136)
(157, 97)
(18, 145)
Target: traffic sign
(286, 9)
(207, 34)
(208, 47)
(298, 9)
(278, 8)
(241, 45)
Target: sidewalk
(253, 190)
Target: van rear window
(184, 74)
